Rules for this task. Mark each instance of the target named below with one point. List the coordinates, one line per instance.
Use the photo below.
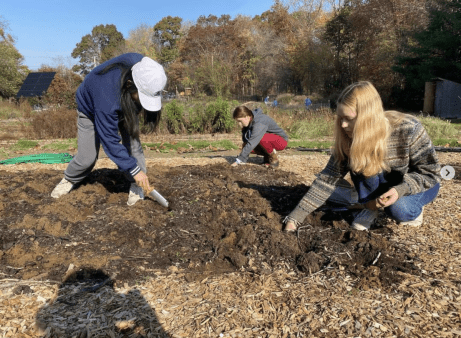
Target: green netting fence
(40, 158)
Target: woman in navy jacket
(109, 101)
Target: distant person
(109, 102)
(307, 102)
(266, 100)
(260, 134)
(275, 103)
(389, 155)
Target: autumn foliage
(302, 47)
(61, 92)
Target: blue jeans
(406, 208)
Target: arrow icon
(447, 172)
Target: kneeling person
(260, 134)
(389, 155)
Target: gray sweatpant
(88, 151)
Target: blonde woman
(389, 155)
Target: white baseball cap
(150, 79)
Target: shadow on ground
(86, 305)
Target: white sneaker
(136, 194)
(364, 219)
(416, 222)
(62, 188)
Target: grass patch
(62, 145)
(12, 110)
(302, 124)
(4, 154)
(440, 129)
(311, 129)
(24, 145)
(193, 145)
(8, 112)
(54, 124)
(310, 144)
(444, 142)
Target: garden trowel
(159, 198)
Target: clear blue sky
(46, 30)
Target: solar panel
(35, 84)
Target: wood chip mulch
(329, 303)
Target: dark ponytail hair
(130, 110)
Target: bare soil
(220, 219)
(216, 264)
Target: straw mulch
(285, 303)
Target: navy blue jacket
(98, 97)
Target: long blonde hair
(367, 150)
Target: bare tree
(267, 51)
(306, 6)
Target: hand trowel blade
(159, 198)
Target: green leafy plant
(218, 115)
(174, 117)
(197, 121)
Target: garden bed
(216, 262)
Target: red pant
(272, 141)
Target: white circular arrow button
(447, 172)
